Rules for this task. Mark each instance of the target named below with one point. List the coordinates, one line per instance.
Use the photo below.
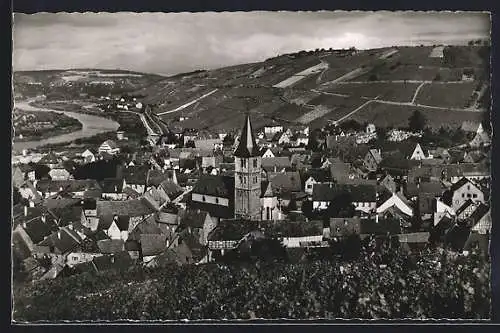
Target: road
(416, 92)
(188, 104)
(355, 110)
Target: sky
(171, 43)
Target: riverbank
(130, 122)
(31, 126)
(91, 125)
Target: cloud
(169, 43)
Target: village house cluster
(195, 197)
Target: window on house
(474, 195)
(255, 163)
(463, 195)
(255, 180)
(244, 180)
(309, 186)
(217, 200)
(75, 258)
(469, 195)
(203, 198)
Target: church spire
(246, 145)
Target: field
(396, 92)
(372, 287)
(385, 115)
(457, 95)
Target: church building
(247, 176)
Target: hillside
(331, 85)
(79, 83)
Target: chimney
(24, 225)
(59, 234)
(376, 218)
(43, 218)
(112, 260)
(32, 203)
(70, 227)
(25, 210)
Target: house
(343, 227)
(227, 235)
(481, 139)
(389, 183)
(370, 129)
(284, 138)
(76, 258)
(276, 164)
(270, 208)
(414, 240)
(208, 144)
(110, 246)
(112, 189)
(109, 147)
(60, 242)
(136, 178)
(88, 156)
(462, 191)
(398, 201)
(50, 160)
(284, 183)
(295, 234)
(466, 210)
(77, 188)
(213, 161)
(314, 177)
(269, 152)
(480, 220)
(474, 157)
(115, 227)
(198, 223)
(363, 197)
(418, 153)
(152, 245)
(21, 173)
(136, 210)
(29, 192)
(59, 173)
(442, 210)
(372, 159)
(301, 140)
(214, 194)
(271, 129)
(341, 172)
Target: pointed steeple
(246, 145)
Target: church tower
(247, 175)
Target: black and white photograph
(251, 166)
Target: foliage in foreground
(377, 285)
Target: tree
(417, 121)
(41, 171)
(228, 140)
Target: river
(91, 125)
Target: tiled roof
(220, 186)
(232, 230)
(46, 185)
(193, 218)
(108, 246)
(358, 193)
(478, 213)
(152, 244)
(37, 230)
(286, 181)
(416, 237)
(382, 227)
(67, 241)
(464, 206)
(130, 208)
(111, 185)
(279, 162)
